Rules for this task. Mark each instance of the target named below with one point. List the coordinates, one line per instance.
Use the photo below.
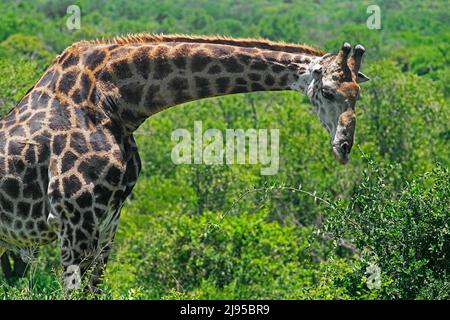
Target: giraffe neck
(138, 80)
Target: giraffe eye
(327, 94)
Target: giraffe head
(333, 91)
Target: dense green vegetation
(316, 230)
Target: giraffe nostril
(345, 147)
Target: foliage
(406, 234)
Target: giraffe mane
(260, 43)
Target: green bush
(17, 78)
(245, 257)
(405, 233)
(26, 47)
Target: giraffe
(68, 159)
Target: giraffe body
(68, 158)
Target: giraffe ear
(361, 77)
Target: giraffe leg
(84, 252)
(95, 280)
(77, 220)
(84, 212)
(17, 269)
(78, 254)
(20, 266)
(6, 266)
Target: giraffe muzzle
(341, 152)
(342, 144)
(343, 138)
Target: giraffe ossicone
(68, 159)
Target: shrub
(406, 234)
